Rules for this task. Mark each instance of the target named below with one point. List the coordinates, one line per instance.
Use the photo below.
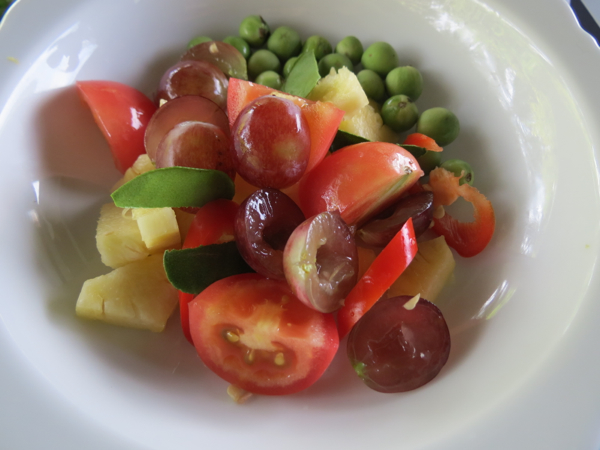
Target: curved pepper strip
(467, 238)
(385, 269)
(420, 140)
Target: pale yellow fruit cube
(367, 123)
(158, 227)
(137, 295)
(428, 273)
(341, 88)
(141, 165)
(184, 219)
(118, 237)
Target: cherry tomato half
(255, 334)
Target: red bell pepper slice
(467, 238)
(385, 269)
(420, 140)
(213, 224)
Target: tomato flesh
(122, 114)
(254, 333)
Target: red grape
(182, 109)
(225, 56)
(196, 144)
(396, 349)
(194, 78)
(379, 231)
(271, 143)
(320, 261)
(263, 224)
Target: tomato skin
(359, 181)
(212, 224)
(323, 118)
(122, 114)
(254, 333)
(381, 274)
(467, 238)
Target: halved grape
(225, 56)
(320, 261)
(271, 143)
(398, 346)
(182, 109)
(263, 224)
(379, 231)
(193, 78)
(196, 144)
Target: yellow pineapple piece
(158, 227)
(184, 220)
(428, 272)
(118, 237)
(137, 295)
(367, 123)
(341, 88)
(141, 165)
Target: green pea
(429, 161)
(198, 40)
(399, 113)
(372, 84)
(460, 169)
(380, 57)
(405, 80)
(319, 45)
(270, 79)
(289, 65)
(240, 44)
(336, 61)
(261, 61)
(351, 47)
(439, 124)
(285, 42)
(254, 30)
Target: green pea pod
(174, 187)
(304, 75)
(192, 270)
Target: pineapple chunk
(141, 165)
(428, 273)
(342, 89)
(184, 220)
(137, 295)
(367, 123)
(158, 227)
(118, 237)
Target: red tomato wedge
(213, 224)
(421, 140)
(253, 333)
(359, 181)
(467, 238)
(323, 118)
(122, 113)
(385, 269)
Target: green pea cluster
(394, 88)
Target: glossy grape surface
(193, 78)
(379, 231)
(320, 261)
(196, 144)
(225, 56)
(271, 143)
(182, 109)
(263, 224)
(395, 349)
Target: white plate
(524, 368)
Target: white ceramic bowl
(524, 366)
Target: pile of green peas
(271, 55)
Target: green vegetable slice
(414, 150)
(174, 187)
(343, 139)
(192, 270)
(304, 75)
